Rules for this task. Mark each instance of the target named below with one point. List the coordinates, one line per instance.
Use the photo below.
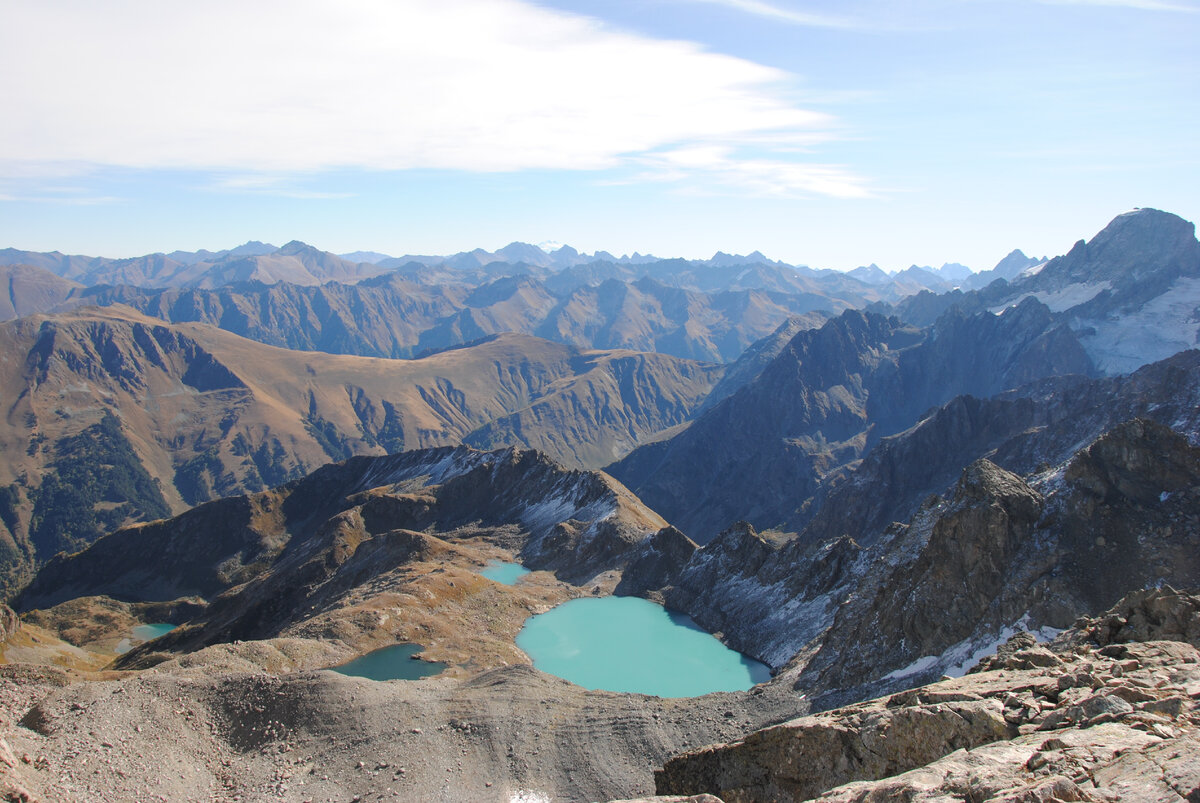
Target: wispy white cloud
(1144, 5)
(62, 200)
(273, 185)
(716, 168)
(775, 12)
(285, 86)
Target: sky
(831, 134)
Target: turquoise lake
(391, 663)
(142, 633)
(633, 645)
(506, 573)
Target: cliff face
(1035, 531)
(1106, 712)
(831, 394)
(999, 552)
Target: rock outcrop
(9, 623)
(1086, 718)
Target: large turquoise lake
(632, 645)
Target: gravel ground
(512, 734)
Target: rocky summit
(1109, 711)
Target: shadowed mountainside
(1029, 508)
(194, 413)
(825, 400)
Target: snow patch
(964, 655)
(772, 617)
(1062, 299)
(526, 796)
(547, 512)
(1033, 270)
(919, 665)
(1165, 325)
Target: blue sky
(829, 134)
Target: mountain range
(866, 486)
(301, 263)
(367, 304)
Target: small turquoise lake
(629, 644)
(143, 633)
(391, 663)
(506, 573)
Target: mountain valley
(952, 524)
(196, 413)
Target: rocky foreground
(1109, 711)
(509, 734)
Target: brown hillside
(209, 414)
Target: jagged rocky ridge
(300, 263)
(1106, 712)
(1131, 293)
(825, 400)
(1036, 530)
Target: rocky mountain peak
(1011, 266)
(871, 274)
(1134, 244)
(741, 541)
(983, 481)
(524, 252)
(1139, 460)
(296, 247)
(253, 248)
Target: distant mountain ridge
(300, 263)
(116, 417)
(299, 297)
(400, 317)
(1131, 293)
